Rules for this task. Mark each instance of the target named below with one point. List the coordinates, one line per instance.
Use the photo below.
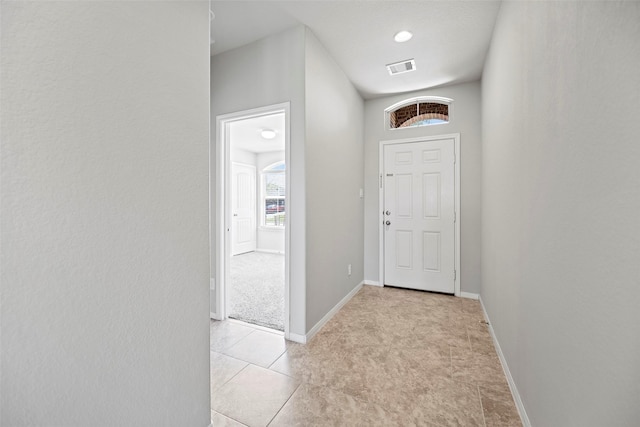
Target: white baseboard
(301, 339)
(469, 295)
(332, 312)
(512, 385)
(270, 251)
(214, 316)
(372, 283)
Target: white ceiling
(239, 22)
(450, 41)
(245, 134)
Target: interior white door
(419, 215)
(243, 208)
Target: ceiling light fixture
(403, 36)
(268, 133)
(401, 67)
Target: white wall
(269, 158)
(243, 156)
(561, 196)
(104, 226)
(465, 120)
(270, 239)
(267, 72)
(334, 176)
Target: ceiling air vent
(401, 67)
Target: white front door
(419, 215)
(243, 208)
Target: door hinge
(380, 180)
(454, 275)
(455, 216)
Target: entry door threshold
(257, 327)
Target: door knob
(388, 223)
(387, 213)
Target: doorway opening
(252, 198)
(419, 219)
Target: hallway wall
(104, 265)
(335, 170)
(561, 196)
(267, 72)
(326, 167)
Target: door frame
(456, 141)
(221, 238)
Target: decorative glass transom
(419, 112)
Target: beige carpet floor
(256, 289)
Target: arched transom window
(423, 111)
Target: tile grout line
(278, 357)
(227, 416)
(231, 357)
(284, 404)
(235, 375)
(255, 327)
(481, 406)
(450, 363)
(228, 346)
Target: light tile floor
(389, 357)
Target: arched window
(273, 192)
(422, 111)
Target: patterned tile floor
(389, 357)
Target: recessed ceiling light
(402, 36)
(268, 133)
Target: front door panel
(419, 207)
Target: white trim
(469, 295)
(457, 286)
(332, 312)
(372, 283)
(416, 100)
(269, 251)
(214, 316)
(380, 215)
(456, 139)
(220, 244)
(512, 385)
(287, 228)
(300, 339)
